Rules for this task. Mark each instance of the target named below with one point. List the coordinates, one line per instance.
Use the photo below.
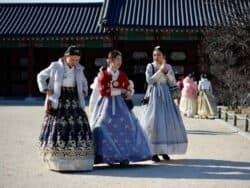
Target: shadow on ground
(175, 169)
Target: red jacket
(105, 81)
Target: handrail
(235, 116)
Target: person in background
(206, 99)
(179, 83)
(188, 102)
(66, 141)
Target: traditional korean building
(34, 34)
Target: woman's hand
(163, 67)
(50, 92)
(128, 96)
(123, 91)
(48, 106)
(85, 94)
(126, 93)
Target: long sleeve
(42, 77)
(85, 84)
(210, 88)
(199, 86)
(195, 89)
(171, 76)
(56, 93)
(150, 77)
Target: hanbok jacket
(55, 73)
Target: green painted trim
(13, 44)
(54, 43)
(136, 35)
(51, 43)
(179, 36)
(93, 44)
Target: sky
(48, 1)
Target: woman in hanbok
(179, 84)
(161, 118)
(188, 102)
(95, 92)
(206, 100)
(66, 141)
(118, 135)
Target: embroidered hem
(180, 148)
(70, 165)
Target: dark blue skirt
(66, 141)
(117, 132)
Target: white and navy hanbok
(66, 141)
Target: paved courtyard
(217, 156)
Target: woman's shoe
(124, 163)
(155, 158)
(97, 159)
(165, 157)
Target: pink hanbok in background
(188, 102)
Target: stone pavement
(217, 157)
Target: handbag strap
(149, 88)
(153, 69)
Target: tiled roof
(78, 19)
(170, 13)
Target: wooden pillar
(246, 123)
(31, 76)
(219, 112)
(235, 119)
(157, 36)
(202, 60)
(115, 38)
(15, 53)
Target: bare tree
(228, 49)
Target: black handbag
(129, 104)
(175, 92)
(145, 100)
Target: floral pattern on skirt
(66, 141)
(117, 132)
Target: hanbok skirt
(188, 106)
(94, 95)
(206, 104)
(66, 142)
(117, 132)
(163, 123)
